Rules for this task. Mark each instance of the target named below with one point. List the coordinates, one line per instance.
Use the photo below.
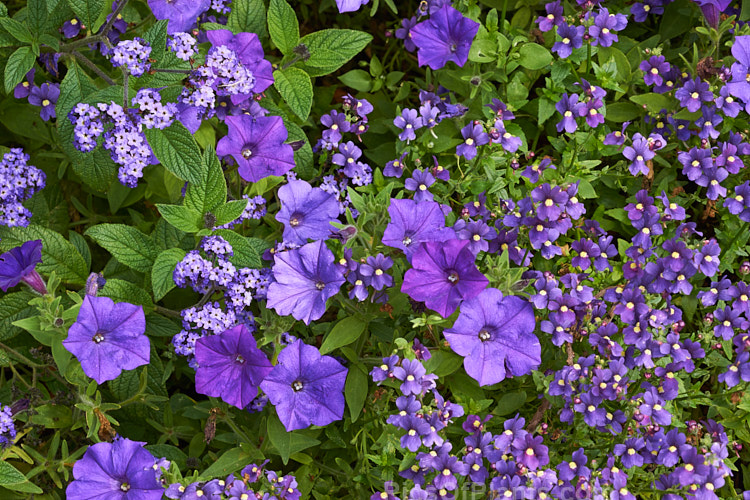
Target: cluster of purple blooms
(18, 182)
(183, 45)
(253, 482)
(255, 209)
(598, 28)
(132, 55)
(122, 131)
(588, 105)
(432, 110)
(44, 96)
(7, 427)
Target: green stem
(228, 420)
(167, 312)
(20, 356)
(502, 16)
(93, 67)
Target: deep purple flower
(706, 259)
(408, 121)
(257, 144)
(182, 14)
(570, 109)
(442, 275)
(446, 36)
(121, 470)
(376, 269)
(739, 86)
(19, 264)
(71, 28)
(692, 93)
(23, 89)
(654, 68)
(495, 335)
(306, 212)
(571, 37)
(305, 387)
(712, 10)
(108, 338)
(350, 5)
(413, 223)
(639, 153)
(45, 97)
(474, 135)
(230, 366)
(248, 48)
(404, 33)
(553, 18)
(532, 453)
(419, 182)
(605, 25)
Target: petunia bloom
(495, 334)
(446, 36)
(182, 14)
(412, 223)
(122, 470)
(305, 278)
(443, 274)
(306, 212)
(306, 387)
(19, 264)
(230, 366)
(257, 144)
(108, 338)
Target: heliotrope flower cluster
(133, 55)
(183, 45)
(7, 427)
(18, 182)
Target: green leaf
(355, 390)
(343, 333)
(231, 461)
(295, 87)
(332, 48)
(229, 211)
(18, 30)
(287, 443)
(654, 102)
(13, 479)
(247, 251)
(19, 63)
(183, 218)
(357, 79)
(161, 274)
(282, 25)
(87, 11)
(13, 307)
(619, 112)
(177, 150)
(127, 244)
(443, 363)
(36, 15)
(125, 291)
(210, 190)
(248, 16)
(534, 56)
(58, 254)
(162, 58)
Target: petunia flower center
(484, 335)
(453, 277)
(295, 220)
(453, 47)
(246, 153)
(239, 359)
(297, 385)
(98, 337)
(125, 487)
(320, 285)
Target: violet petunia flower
(108, 338)
(306, 278)
(249, 50)
(495, 335)
(350, 5)
(443, 274)
(257, 144)
(413, 223)
(306, 212)
(19, 264)
(446, 36)
(305, 387)
(182, 14)
(121, 470)
(230, 366)
(712, 10)
(739, 86)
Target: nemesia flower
(19, 264)
(446, 36)
(230, 366)
(474, 135)
(121, 470)
(553, 18)
(571, 37)
(305, 387)
(306, 212)
(639, 153)
(45, 97)
(692, 93)
(570, 109)
(108, 338)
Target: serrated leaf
(182, 217)
(210, 190)
(13, 307)
(13, 479)
(283, 25)
(287, 443)
(18, 30)
(248, 16)
(332, 48)
(177, 150)
(247, 251)
(87, 11)
(162, 273)
(58, 254)
(36, 15)
(355, 390)
(343, 333)
(127, 244)
(229, 211)
(295, 87)
(125, 291)
(162, 58)
(19, 63)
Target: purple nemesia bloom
(257, 144)
(639, 153)
(306, 212)
(534, 453)
(350, 5)
(571, 37)
(305, 387)
(692, 93)
(605, 24)
(408, 122)
(412, 223)
(71, 28)
(653, 68)
(46, 97)
(306, 278)
(495, 335)
(121, 470)
(108, 338)
(182, 14)
(641, 11)
(404, 33)
(230, 366)
(24, 88)
(569, 108)
(553, 18)
(446, 36)
(376, 268)
(474, 135)
(419, 182)
(442, 275)
(19, 264)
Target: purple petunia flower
(739, 86)
(443, 274)
(306, 212)
(45, 97)
(495, 335)
(121, 470)
(712, 10)
(305, 387)
(19, 264)
(257, 144)
(248, 48)
(230, 366)
(182, 14)
(446, 36)
(350, 5)
(413, 223)
(108, 338)
(306, 278)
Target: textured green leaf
(332, 48)
(182, 217)
(247, 251)
(282, 25)
(127, 244)
(87, 11)
(36, 15)
(229, 211)
(231, 461)
(248, 16)
(343, 333)
(295, 87)
(18, 30)
(13, 306)
(210, 190)
(167, 236)
(58, 254)
(13, 479)
(161, 274)
(177, 150)
(355, 390)
(19, 63)
(287, 443)
(125, 291)
(162, 58)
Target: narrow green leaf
(19, 63)
(162, 280)
(355, 390)
(295, 87)
(343, 333)
(282, 25)
(127, 244)
(177, 150)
